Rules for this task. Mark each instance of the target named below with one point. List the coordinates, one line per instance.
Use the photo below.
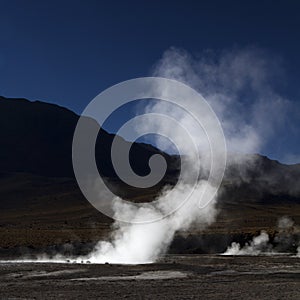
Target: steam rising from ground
(258, 245)
(230, 82)
(286, 240)
(144, 243)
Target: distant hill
(36, 137)
(258, 178)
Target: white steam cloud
(145, 243)
(285, 240)
(258, 245)
(237, 86)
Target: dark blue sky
(66, 52)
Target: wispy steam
(258, 245)
(238, 84)
(285, 240)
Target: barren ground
(174, 277)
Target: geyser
(191, 202)
(221, 80)
(142, 232)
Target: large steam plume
(237, 86)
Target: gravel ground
(174, 277)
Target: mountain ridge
(37, 138)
